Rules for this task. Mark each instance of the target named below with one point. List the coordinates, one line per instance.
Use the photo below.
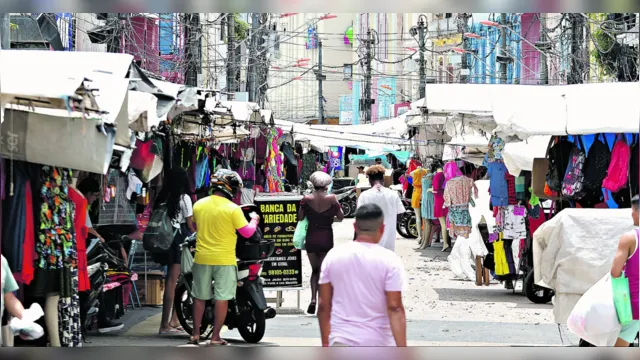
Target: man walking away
(627, 260)
(361, 286)
(388, 200)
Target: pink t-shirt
(360, 274)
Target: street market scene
(319, 179)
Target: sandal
(217, 343)
(193, 341)
(311, 310)
(172, 331)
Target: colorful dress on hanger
(458, 194)
(427, 198)
(416, 197)
(439, 210)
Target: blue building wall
(484, 67)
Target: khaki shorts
(225, 281)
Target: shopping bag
(622, 299)
(300, 235)
(186, 260)
(594, 318)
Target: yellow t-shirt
(217, 220)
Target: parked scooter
(406, 225)
(248, 312)
(347, 199)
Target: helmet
(226, 181)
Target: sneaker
(109, 326)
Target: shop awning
(228, 111)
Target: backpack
(159, 234)
(634, 170)
(572, 184)
(596, 165)
(618, 172)
(559, 155)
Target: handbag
(300, 235)
(622, 299)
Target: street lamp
(490, 23)
(472, 36)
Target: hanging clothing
(458, 194)
(498, 186)
(82, 231)
(511, 189)
(426, 206)
(29, 246)
(439, 210)
(494, 152)
(69, 325)
(521, 193)
(15, 217)
(515, 222)
(500, 258)
(416, 197)
(308, 167)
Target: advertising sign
(279, 217)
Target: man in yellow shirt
(217, 219)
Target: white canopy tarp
(381, 136)
(568, 110)
(527, 110)
(574, 250)
(234, 110)
(518, 156)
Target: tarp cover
(574, 250)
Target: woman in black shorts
(176, 194)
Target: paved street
(441, 311)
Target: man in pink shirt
(361, 286)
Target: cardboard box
(151, 291)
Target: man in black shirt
(397, 173)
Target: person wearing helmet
(217, 218)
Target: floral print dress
(458, 194)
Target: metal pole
(319, 76)
(367, 87)
(231, 53)
(503, 47)
(423, 75)
(577, 62)
(253, 62)
(5, 31)
(464, 76)
(193, 23)
(543, 45)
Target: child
(9, 285)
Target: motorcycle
(406, 225)
(100, 258)
(248, 312)
(347, 199)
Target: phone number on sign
(282, 272)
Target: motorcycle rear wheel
(412, 227)
(183, 306)
(536, 294)
(346, 208)
(401, 226)
(254, 331)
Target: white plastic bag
(186, 260)
(594, 317)
(27, 326)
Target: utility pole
(231, 53)
(464, 73)
(113, 46)
(577, 53)
(252, 74)
(544, 45)
(320, 76)
(5, 31)
(423, 75)
(503, 48)
(367, 102)
(192, 40)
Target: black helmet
(226, 181)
